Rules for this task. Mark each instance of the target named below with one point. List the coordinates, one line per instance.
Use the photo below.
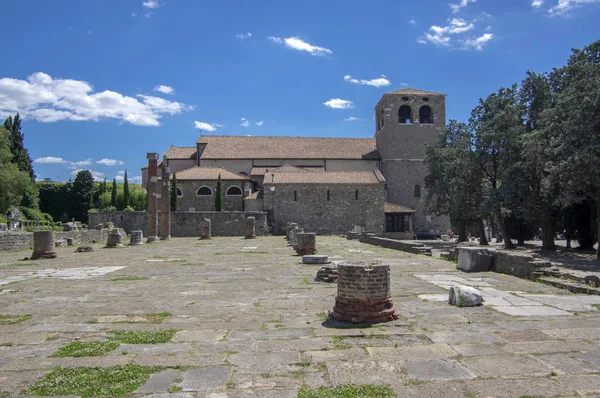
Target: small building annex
(327, 185)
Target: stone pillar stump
(43, 245)
(206, 229)
(306, 243)
(114, 239)
(136, 238)
(250, 228)
(165, 204)
(364, 294)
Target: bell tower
(405, 122)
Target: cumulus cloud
(300, 45)
(110, 162)
(50, 160)
(563, 6)
(537, 3)
(379, 82)
(353, 119)
(456, 7)
(151, 4)
(337, 103)
(259, 124)
(245, 122)
(244, 36)
(477, 43)
(412, 22)
(442, 36)
(47, 100)
(206, 126)
(164, 89)
(80, 163)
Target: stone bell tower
(406, 120)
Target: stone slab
(431, 351)
(208, 378)
(437, 370)
(571, 363)
(499, 366)
(363, 372)
(518, 387)
(575, 334)
(524, 335)
(477, 350)
(282, 357)
(462, 337)
(269, 334)
(548, 347)
(24, 338)
(584, 385)
(159, 382)
(154, 349)
(199, 335)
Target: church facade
(326, 185)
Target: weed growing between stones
(596, 306)
(347, 391)
(13, 319)
(143, 336)
(86, 349)
(339, 342)
(174, 389)
(129, 278)
(93, 381)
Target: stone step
(572, 286)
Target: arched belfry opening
(405, 115)
(425, 115)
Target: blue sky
(100, 83)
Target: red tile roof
(328, 177)
(175, 152)
(260, 171)
(208, 173)
(243, 147)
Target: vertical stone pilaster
(152, 209)
(165, 204)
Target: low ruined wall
(398, 235)
(390, 243)
(186, 224)
(517, 264)
(12, 240)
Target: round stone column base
(38, 255)
(364, 310)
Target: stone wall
(398, 235)
(405, 246)
(10, 240)
(517, 264)
(338, 215)
(189, 199)
(186, 224)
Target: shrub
(36, 215)
(129, 208)
(93, 211)
(110, 208)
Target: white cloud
(461, 4)
(164, 89)
(206, 126)
(137, 179)
(337, 103)
(412, 22)
(244, 36)
(50, 160)
(151, 4)
(120, 178)
(46, 99)
(537, 3)
(563, 6)
(80, 163)
(379, 82)
(353, 119)
(97, 175)
(477, 43)
(300, 45)
(245, 122)
(259, 124)
(110, 162)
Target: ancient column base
(305, 251)
(36, 256)
(364, 311)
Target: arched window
(405, 114)
(425, 115)
(234, 191)
(204, 191)
(179, 193)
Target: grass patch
(339, 342)
(13, 319)
(129, 278)
(93, 381)
(347, 391)
(596, 306)
(142, 336)
(322, 316)
(174, 389)
(297, 374)
(86, 349)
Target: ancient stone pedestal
(84, 249)
(70, 241)
(473, 259)
(288, 230)
(43, 245)
(315, 259)
(250, 228)
(465, 296)
(306, 243)
(206, 229)
(114, 239)
(363, 294)
(293, 232)
(136, 238)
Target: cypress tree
(125, 191)
(20, 154)
(218, 199)
(174, 193)
(113, 196)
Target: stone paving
(251, 323)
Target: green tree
(83, 194)
(113, 196)
(174, 193)
(13, 182)
(20, 154)
(218, 198)
(125, 191)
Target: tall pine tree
(125, 191)
(20, 154)
(113, 195)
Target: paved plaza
(251, 321)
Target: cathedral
(326, 185)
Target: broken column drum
(205, 229)
(153, 196)
(43, 245)
(364, 294)
(293, 232)
(306, 243)
(114, 239)
(288, 231)
(136, 238)
(250, 228)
